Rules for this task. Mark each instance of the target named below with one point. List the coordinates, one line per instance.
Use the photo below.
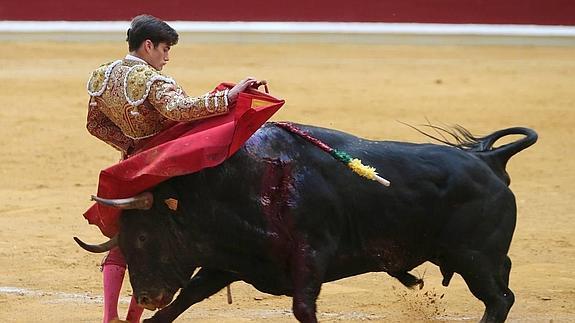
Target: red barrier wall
(542, 12)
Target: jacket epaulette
(139, 80)
(99, 79)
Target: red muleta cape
(182, 149)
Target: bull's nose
(145, 301)
(152, 303)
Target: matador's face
(158, 56)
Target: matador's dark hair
(149, 27)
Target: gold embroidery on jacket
(141, 101)
(173, 103)
(99, 78)
(139, 79)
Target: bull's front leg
(203, 285)
(308, 269)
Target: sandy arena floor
(49, 166)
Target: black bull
(285, 216)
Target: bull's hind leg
(488, 279)
(407, 279)
(484, 227)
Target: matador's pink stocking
(113, 278)
(114, 268)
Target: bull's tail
(505, 152)
(495, 157)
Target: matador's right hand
(240, 87)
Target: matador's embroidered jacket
(134, 101)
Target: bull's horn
(143, 201)
(98, 248)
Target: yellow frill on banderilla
(366, 171)
(361, 169)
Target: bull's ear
(172, 204)
(166, 197)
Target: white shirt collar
(134, 58)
